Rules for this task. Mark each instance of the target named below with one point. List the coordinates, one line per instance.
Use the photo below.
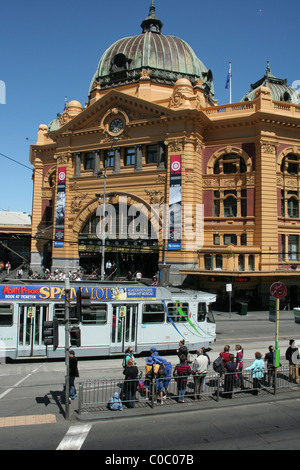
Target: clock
(116, 125)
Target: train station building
(209, 192)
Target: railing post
(275, 381)
(152, 393)
(80, 397)
(218, 387)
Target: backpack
(218, 365)
(168, 369)
(149, 371)
(161, 371)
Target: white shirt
(200, 364)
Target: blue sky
(51, 50)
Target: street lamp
(115, 139)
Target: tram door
(124, 327)
(30, 330)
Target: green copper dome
(165, 58)
(278, 87)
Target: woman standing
(257, 368)
(131, 383)
(239, 365)
(230, 370)
(269, 359)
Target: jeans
(181, 392)
(72, 388)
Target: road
(35, 390)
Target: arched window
(290, 169)
(230, 164)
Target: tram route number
(152, 459)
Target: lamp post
(104, 209)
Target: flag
(229, 75)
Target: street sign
(278, 290)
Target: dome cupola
(165, 59)
(279, 89)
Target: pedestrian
(230, 371)
(257, 369)
(200, 366)
(158, 375)
(205, 351)
(153, 351)
(181, 372)
(148, 375)
(128, 355)
(182, 349)
(168, 372)
(131, 383)
(292, 355)
(239, 365)
(269, 359)
(225, 354)
(8, 267)
(73, 373)
(138, 276)
(115, 403)
(155, 282)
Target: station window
(6, 314)
(129, 156)
(178, 312)
(153, 313)
(89, 161)
(151, 154)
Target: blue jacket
(257, 368)
(114, 403)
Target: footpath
(240, 398)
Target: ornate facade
(151, 102)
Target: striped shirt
(182, 370)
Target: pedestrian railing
(94, 394)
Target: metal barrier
(94, 394)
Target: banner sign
(12, 292)
(174, 242)
(60, 208)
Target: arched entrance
(131, 242)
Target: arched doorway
(131, 243)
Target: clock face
(116, 125)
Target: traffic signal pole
(67, 347)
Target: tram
(121, 314)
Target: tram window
(178, 312)
(153, 313)
(201, 311)
(59, 313)
(6, 314)
(96, 316)
(210, 316)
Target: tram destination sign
(103, 293)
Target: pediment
(95, 118)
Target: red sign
(278, 290)
(62, 174)
(175, 164)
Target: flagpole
(230, 91)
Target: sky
(50, 50)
